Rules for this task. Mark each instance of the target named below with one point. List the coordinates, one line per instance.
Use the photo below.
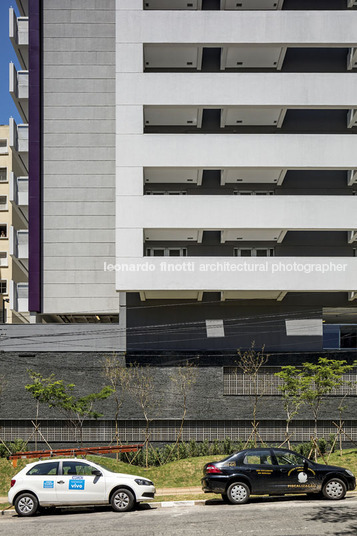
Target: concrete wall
(61, 338)
(205, 402)
(78, 156)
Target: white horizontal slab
(299, 151)
(291, 90)
(238, 212)
(305, 28)
(295, 274)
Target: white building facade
(193, 180)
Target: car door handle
(60, 481)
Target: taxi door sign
(48, 484)
(76, 483)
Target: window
(3, 147)
(3, 258)
(3, 174)
(254, 252)
(253, 192)
(166, 192)
(49, 468)
(3, 286)
(166, 252)
(289, 458)
(258, 458)
(76, 468)
(348, 337)
(3, 202)
(3, 230)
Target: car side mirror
(96, 472)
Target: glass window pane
(50, 468)
(289, 458)
(258, 458)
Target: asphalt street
(261, 517)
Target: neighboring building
(204, 131)
(13, 234)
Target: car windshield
(103, 467)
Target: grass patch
(348, 460)
(188, 497)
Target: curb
(172, 504)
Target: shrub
(18, 445)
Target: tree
(57, 395)
(118, 377)
(292, 390)
(43, 390)
(321, 379)
(184, 378)
(143, 391)
(251, 361)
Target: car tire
(334, 489)
(122, 500)
(26, 504)
(238, 493)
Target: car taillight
(212, 469)
(13, 481)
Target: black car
(273, 471)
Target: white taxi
(75, 482)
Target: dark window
(49, 468)
(348, 337)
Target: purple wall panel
(35, 172)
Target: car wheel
(26, 504)
(334, 489)
(122, 500)
(238, 493)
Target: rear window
(50, 468)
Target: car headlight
(143, 482)
(349, 472)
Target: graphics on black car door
(295, 473)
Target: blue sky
(7, 54)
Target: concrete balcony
(19, 297)
(19, 36)
(19, 247)
(19, 144)
(162, 216)
(19, 193)
(234, 277)
(271, 27)
(19, 90)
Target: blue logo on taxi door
(76, 484)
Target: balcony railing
(19, 90)
(19, 190)
(19, 243)
(19, 143)
(19, 36)
(19, 297)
